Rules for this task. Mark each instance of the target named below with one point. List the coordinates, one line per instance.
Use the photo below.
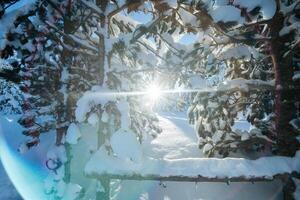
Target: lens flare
(154, 92)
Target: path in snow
(177, 140)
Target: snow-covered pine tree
(245, 33)
(114, 46)
(63, 48)
(21, 45)
(210, 63)
(91, 45)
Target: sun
(154, 92)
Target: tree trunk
(66, 102)
(285, 92)
(105, 181)
(284, 89)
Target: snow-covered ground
(178, 140)
(27, 171)
(7, 190)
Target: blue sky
(144, 18)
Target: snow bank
(265, 167)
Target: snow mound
(73, 134)
(126, 146)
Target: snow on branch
(240, 84)
(75, 39)
(199, 169)
(246, 85)
(11, 14)
(93, 7)
(143, 29)
(98, 96)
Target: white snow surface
(227, 14)
(93, 119)
(206, 167)
(125, 146)
(92, 98)
(7, 190)
(73, 134)
(240, 51)
(173, 153)
(178, 141)
(296, 76)
(230, 13)
(268, 7)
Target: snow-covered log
(200, 169)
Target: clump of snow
(126, 146)
(232, 13)
(4, 65)
(62, 190)
(61, 187)
(56, 157)
(295, 123)
(54, 183)
(23, 148)
(92, 98)
(187, 17)
(72, 191)
(73, 134)
(100, 187)
(93, 119)
(268, 7)
(296, 76)
(207, 147)
(244, 85)
(245, 136)
(240, 51)
(227, 14)
(105, 117)
(57, 152)
(217, 136)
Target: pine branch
(73, 38)
(93, 7)
(142, 30)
